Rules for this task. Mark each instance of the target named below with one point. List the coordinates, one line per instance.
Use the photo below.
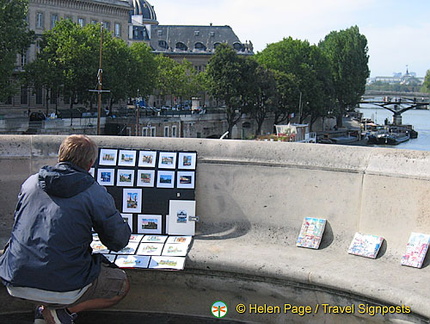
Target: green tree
(178, 80)
(304, 85)
(229, 78)
(347, 53)
(15, 38)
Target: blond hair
(79, 150)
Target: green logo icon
(219, 309)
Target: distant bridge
(398, 104)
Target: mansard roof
(194, 39)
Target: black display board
(143, 182)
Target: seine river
(419, 118)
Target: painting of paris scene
(186, 180)
(149, 224)
(145, 178)
(165, 179)
(147, 159)
(125, 178)
(108, 157)
(187, 160)
(132, 200)
(167, 160)
(105, 177)
(127, 158)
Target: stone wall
(252, 198)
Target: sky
(398, 32)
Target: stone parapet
(252, 198)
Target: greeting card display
(416, 250)
(311, 233)
(365, 245)
(165, 252)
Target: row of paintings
(148, 159)
(148, 251)
(366, 245)
(144, 178)
(179, 221)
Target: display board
(150, 185)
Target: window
(81, 22)
(24, 96)
(54, 19)
(144, 131)
(106, 25)
(39, 20)
(39, 96)
(212, 34)
(153, 132)
(117, 30)
(23, 59)
(174, 131)
(181, 46)
(160, 32)
(200, 46)
(166, 131)
(162, 44)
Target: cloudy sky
(398, 32)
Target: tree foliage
(15, 38)
(347, 53)
(230, 79)
(303, 77)
(69, 64)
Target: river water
(418, 118)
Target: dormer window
(196, 33)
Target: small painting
(167, 160)
(105, 177)
(145, 178)
(132, 201)
(127, 158)
(187, 160)
(108, 157)
(147, 159)
(125, 178)
(166, 179)
(149, 224)
(185, 179)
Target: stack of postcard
(416, 250)
(311, 233)
(365, 245)
(148, 251)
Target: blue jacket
(49, 246)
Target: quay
(251, 199)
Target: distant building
(131, 20)
(397, 78)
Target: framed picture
(180, 220)
(145, 178)
(132, 200)
(167, 160)
(166, 179)
(105, 177)
(187, 160)
(127, 158)
(185, 179)
(147, 159)
(125, 178)
(149, 224)
(128, 218)
(108, 157)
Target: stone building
(132, 21)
